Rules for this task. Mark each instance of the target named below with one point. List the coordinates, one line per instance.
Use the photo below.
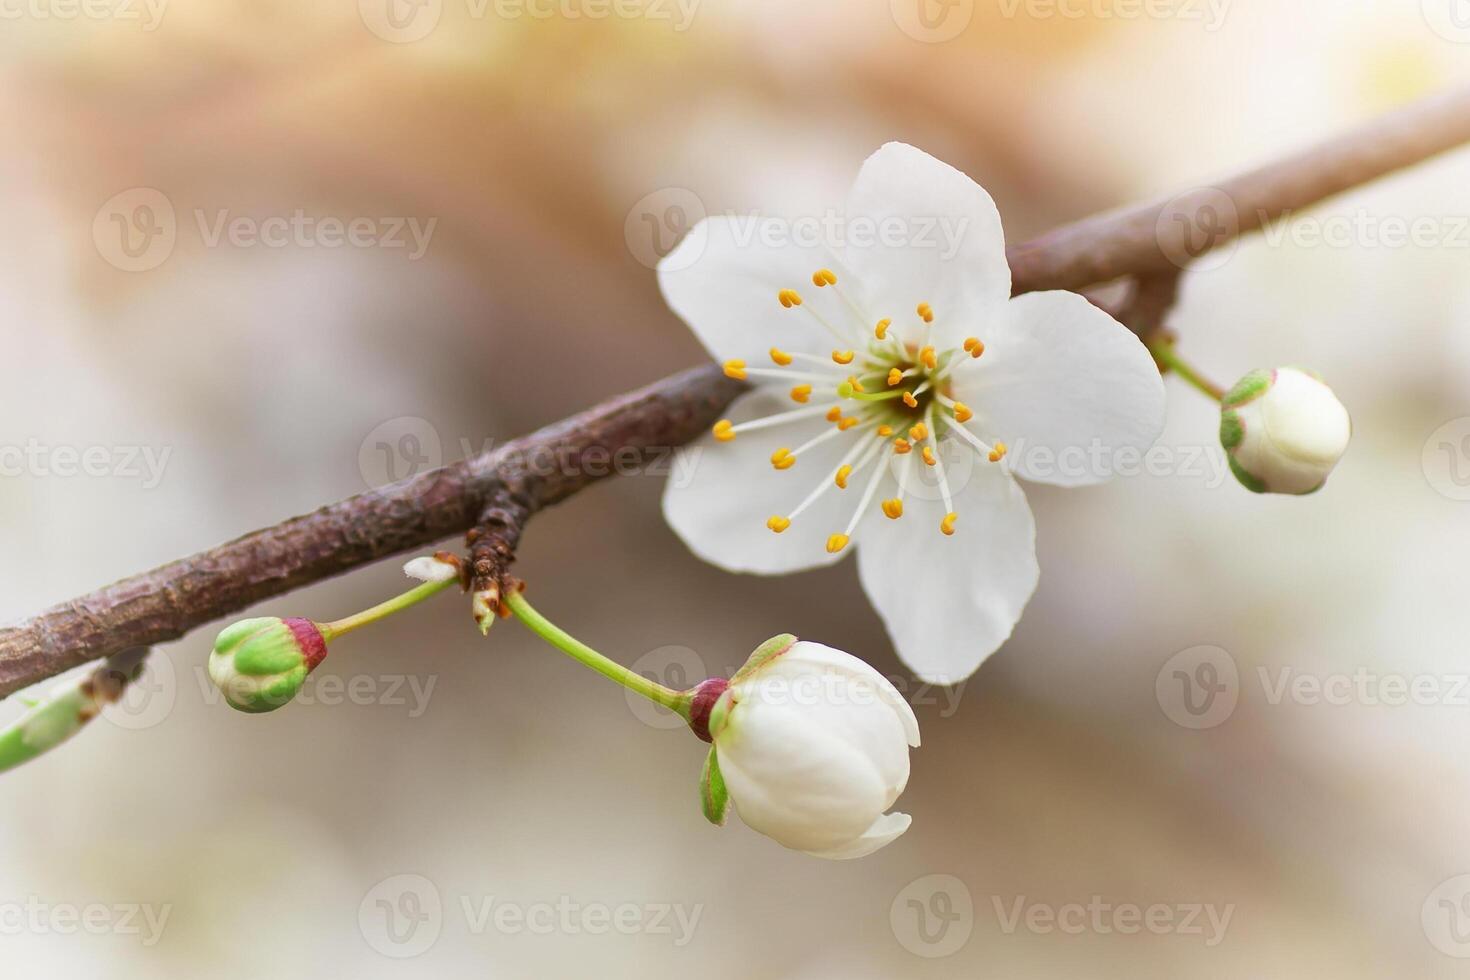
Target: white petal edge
(949, 248)
(950, 602)
(723, 280)
(1066, 387)
(885, 830)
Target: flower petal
(1066, 386)
(935, 238)
(885, 830)
(723, 280)
(951, 601)
(805, 654)
(793, 781)
(721, 494)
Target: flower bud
(261, 663)
(812, 747)
(1284, 431)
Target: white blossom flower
(1284, 430)
(812, 746)
(913, 371)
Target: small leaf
(712, 792)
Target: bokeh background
(546, 161)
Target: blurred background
(510, 172)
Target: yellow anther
(856, 384)
(919, 432)
(910, 400)
(834, 413)
(962, 412)
(847, 423)
(893, 509)
(780, 356)
(778, 524)
(894, 376)
(947, 525)
(724, 430)
(881, 330)
(884, 431)
(843, 472)
(843, 356)
(789, 298)
(801, 393)
(823, 277)
(901, 446)
(836, 543)
(929, 455)
(974, 346)
(782, 459)
(927, 356)
(998, 452)
(926, 312)
(786, 463)
(735, 369)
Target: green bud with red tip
(260, 664)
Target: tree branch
(540, 469)
(499, 490)
(1157, 236)
(492, 543)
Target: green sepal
(1232, 430)
(1249, 388)
(271, 649)
(236, 633)
(1251, 483)
(764, 654)
(713, 795)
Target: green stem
(330, 631)
(584, 654)
(1168, 356)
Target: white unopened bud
(1284, 431)
(812, 746)
(428, 568)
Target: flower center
(886, 387)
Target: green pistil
(846, 390)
